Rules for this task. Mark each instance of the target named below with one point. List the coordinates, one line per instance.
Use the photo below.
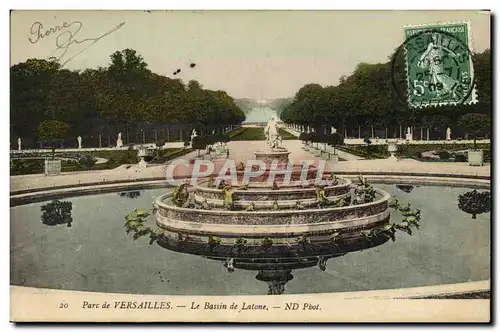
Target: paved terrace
(241, 151)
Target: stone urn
(475, 157)
(392, 148)
(142, 153)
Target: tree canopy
(375, 95)
(107, 100)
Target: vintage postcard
(250, 166)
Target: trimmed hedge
(115, 159)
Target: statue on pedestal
(79, 139)
(119, 142)
(193, 134)
(19, 144)
(273, 139)
(448, 134)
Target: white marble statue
(334, 130)
(19, 144)
(409, 134)
(448, 134)
(79, 139)
(193, 135)
(119, 142)
(271, 132)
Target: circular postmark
(433, 67)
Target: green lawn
(285, 135)
(257, 134)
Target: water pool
(96, 254)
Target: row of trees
(123, 97)
(368, 99)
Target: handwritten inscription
(65, 37)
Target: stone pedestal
(141, 154)
(475, 157)
(52, 167)
(269, 156)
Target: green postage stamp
(439, 65)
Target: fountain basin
(168, 211)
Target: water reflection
(475, 202)
(406, 188)
(130, 194)
(56, 213)
(275, 263)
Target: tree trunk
(475, 142)
(474, 216)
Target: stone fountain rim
(304, 201)
(159, 203)
(197, 187)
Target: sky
(249, 54)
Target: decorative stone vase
(52, 166)
(392, 148)
(475, 157)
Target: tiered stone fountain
(274, 228)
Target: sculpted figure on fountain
(273, 139)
